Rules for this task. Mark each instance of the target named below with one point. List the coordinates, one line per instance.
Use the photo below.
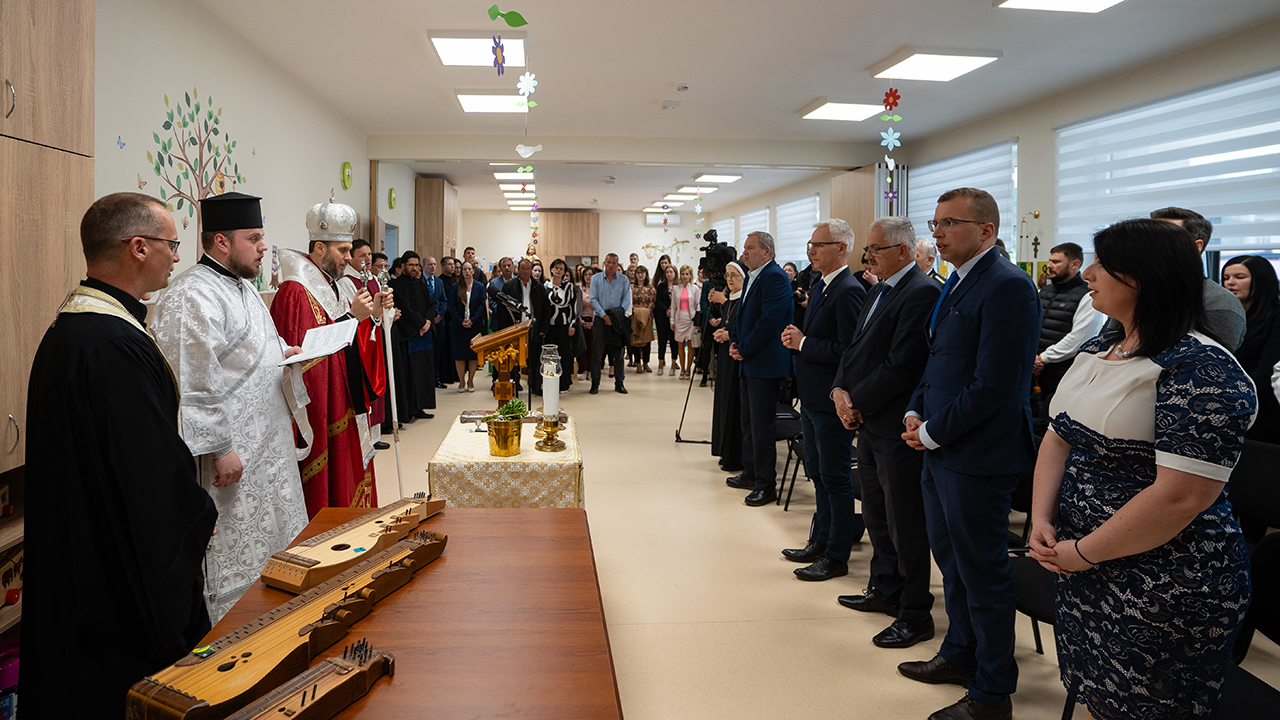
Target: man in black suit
(829, 324)
(533, 295)
(971, 414)
(877, 376)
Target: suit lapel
(968, 283)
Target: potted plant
(504, 428)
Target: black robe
(726, 420)
(415, 372)
(116, 522)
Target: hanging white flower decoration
(698, 208)
(527, 84)
(890, 162)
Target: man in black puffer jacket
(1067, 320)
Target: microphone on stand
(507, 300)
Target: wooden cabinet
(435, 218)
(46, 72)
(43, 194)
(853, 198)
(568, 234)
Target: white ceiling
(605, 67)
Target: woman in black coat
(1253, 280)
(467, 319)
(726, 420)
(662, 316)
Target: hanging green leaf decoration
(527, 168)
(513, 18)
(891, 118)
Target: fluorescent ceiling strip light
(653, 209)
(717, 178)
(504, 164)
(696, 189)
(516, 187)
(1081, 6)
(513, 176)
(475, 48)
(668, 204)
(932, 64)
(520, 203)
(519, 196)
(823, 109)
(680, 197)
(501, 101)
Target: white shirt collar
(826, 279)
(965, 268)
(896, 278)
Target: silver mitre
(331, 222)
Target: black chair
(788, 429)
(1253, 490)
(1244, 696)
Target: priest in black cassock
(415, 361)
(116, 522)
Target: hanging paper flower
(891, 195)
(527, 84)
(499, 59)
(666, 207)
(890, 162)
(890, 139)
(698, 208)
(891, 99)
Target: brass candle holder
(550, 443)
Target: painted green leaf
(157, 171)
(163, 194)
(197, 107)
(156, 136)
(196, 93)
(167, 125)
(179, 203)
(191, 210)
(215, 131)
(208, 145)
(206, 126)
(184, 172)
(217, 121)
(206, 177)
(219, 112)
(170, 160)
(188, 99)
(149, 159)
(170, 205)
(169, 115)
(233, 143)
(177, 183)
(236, 169)
(166, 101)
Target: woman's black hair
(1161, 260)
(1264, 288)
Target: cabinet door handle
(13, 92)
(19, 434)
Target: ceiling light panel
(1082, 6)
(654, 210)
(519, 196)
(475, 49)
(520, 203)
(513, 176)
(933, 64)
(516, 187)
(480, 102)
(697, 189)
(717, 178)
(668, 204)
(823, 109)
(680, 197)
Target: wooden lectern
(506, 349)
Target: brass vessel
(504, 437)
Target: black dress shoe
(740, 482)
(807, 554)
(970, 709)
(870, 601)
(730, 467)
(423, 415)
(824, 569)
(759, 498)
(381, 446)
(620, 390)
(441, 386)
(902, 634)
(938, 671)
(595, 390)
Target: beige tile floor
(705, 618)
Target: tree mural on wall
(194, 157)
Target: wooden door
(46, 72)
(43, 195)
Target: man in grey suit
(877, 376)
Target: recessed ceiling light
(513, 176)
(516, 187)
(500, 101)
(475, 49)
(660, 203)
(717, 178)
(522, 208)
(654, 210)
(680, 197)
(696, 189)
(504, 164)
(519, 196)
(822, 109)
(936, 64)
(520, 203)
(1083, 6)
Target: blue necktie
(946, 290)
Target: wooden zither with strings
(326, 689)
(218, 679)
(317, 559)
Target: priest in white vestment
(236, 401)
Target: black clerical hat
(230, 211)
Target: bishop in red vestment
(338, 471)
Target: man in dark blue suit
(755, 340)
(971, 414)
(830, 320)
(877, 378)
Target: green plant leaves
(513, 18)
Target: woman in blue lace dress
(1130, 489)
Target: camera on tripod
(718, 256)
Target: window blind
(795, 226)
(724, 231)
(752, 222)
(1214, 150)
(994, 169)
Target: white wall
(493, 233)
(404, 180)
(1032, 124)
(290, 146)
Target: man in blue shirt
(611, 301)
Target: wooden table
(507, 623)
(467, 476)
